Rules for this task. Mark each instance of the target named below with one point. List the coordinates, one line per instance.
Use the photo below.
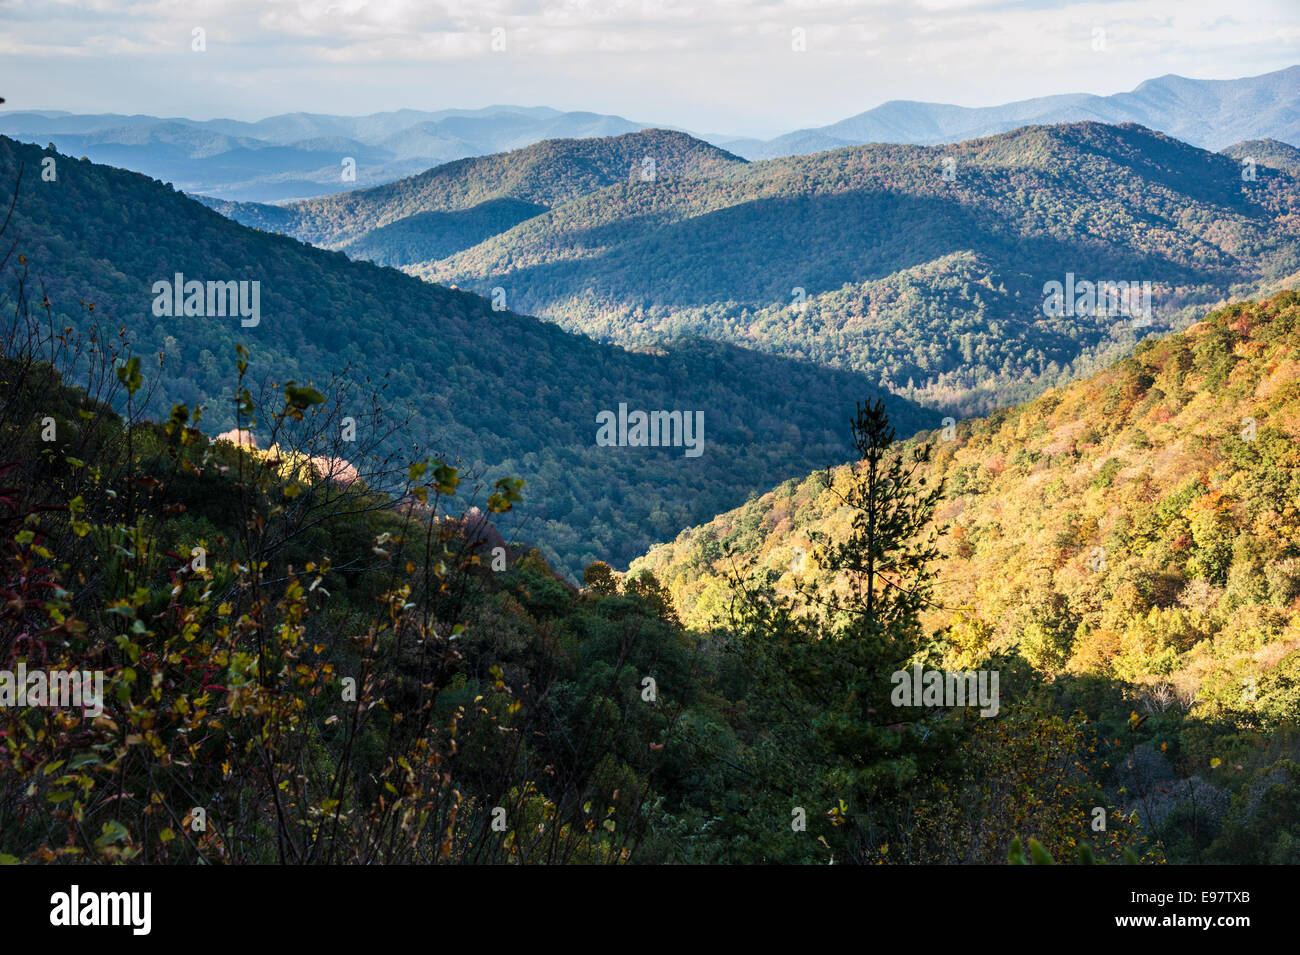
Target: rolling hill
(543, 175)
(504, 393)
(1266, 152)
(925, 268)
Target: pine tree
(885, 560)
(822, 660)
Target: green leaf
(445, 477)
(302, 397)
(1016, 855)
(113, 831)
(1040, 855)
(129, 375)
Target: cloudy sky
(756, 67)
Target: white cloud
(720, 65)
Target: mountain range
(296, 155)
(1111, 535)
(502, 393)
(770, 295)
(519, 184)
(300, 155)
(1211, 114)
(924, 268)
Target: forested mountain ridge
(1266, 152)
(1121, 553)
(1135, 538)
(911, 264)
(495, 389)
(544, 174)
(1139, 524)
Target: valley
(509, 485)
(506, 394)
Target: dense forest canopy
(501, 391)
(922, 267)
(1133, 537)
(302, 668)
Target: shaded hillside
(493, 388)
(929, 278)
(419, 237)
(544, 174)
(1266, 152)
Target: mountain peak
(1206, 113)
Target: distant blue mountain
(300, 155)
(1211, 114)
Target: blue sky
(727, 66)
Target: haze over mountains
(917, 272)
(300, 155)
(1211, 114)
(296, 155)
